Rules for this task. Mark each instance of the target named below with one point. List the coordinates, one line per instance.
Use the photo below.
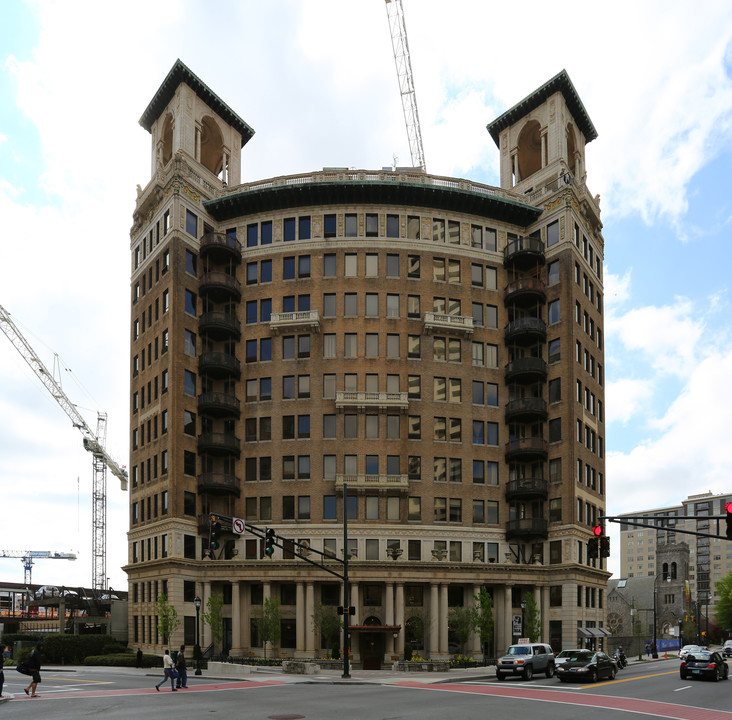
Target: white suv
(526, 659)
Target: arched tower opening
(212, 146)
(529, 149)
(571, 149)
(166, 139)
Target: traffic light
(593, 546)
(728, 509)
(604, 546)
(269, 542)
(214, 533)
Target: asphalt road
(648, 689)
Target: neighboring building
(432, 343)
(710, 559)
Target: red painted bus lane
(647, 707)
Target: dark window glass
(191, 223)
(304, 228)
(288, 268)
(266, 233)
(329, 226)
(252, 235)
(289, 230)
(266, 271)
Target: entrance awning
(583, 632)
(375, 628)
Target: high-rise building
(710, 558)
(431, 343)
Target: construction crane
(93, 442)
(30, 555)
(395, 13)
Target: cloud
(625, 398)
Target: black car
(704, 664)
(587, 665)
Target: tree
(214, 617)
(269, 626)
(723, 607)
(532, 618)
(326, 622)
(484, 617)
(168, 621)
(462, 621)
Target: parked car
(526, 659)
(727, 648)
(704, 664)
(587, 665)
(109, 597)
(47, 591)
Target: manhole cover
(286, 717)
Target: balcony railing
(220, 324)
(530, 288)
(528, 329)
(530, 369)
(219, 364)
(529, 408)
(220, 246)
(220, 286)
(372, 400)
(529, 447)
(527, 527)
(372, 482)
(526, 488)
(301, 320)
(219, 484)
(219, 443)
(218, 404)
(523, 249)
(442, 322)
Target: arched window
(212, 146)
(673, 571)
(529, 149)
(167, 139)
(664, 571)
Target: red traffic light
(597, 530)
(728, 506)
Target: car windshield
(519, 650)
(700, 656)
(581, 657)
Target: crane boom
(30, 555)
(93, 442)
(400, 46)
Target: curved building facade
(432, 344)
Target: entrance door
(371, 649)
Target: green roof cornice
(559, 83)
(178, 74)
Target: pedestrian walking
(34, 666)
(139, 658)
(180, 666)
(648, 649)
(168, 670)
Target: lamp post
(197, 603)
(523, 613)
(667, 578)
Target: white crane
(395, 13)
(93, 442)
(30, 555)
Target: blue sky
(316, 80)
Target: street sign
(517, 625)
(238, 526)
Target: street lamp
(197, 603)
(523, 612)
(667, 578)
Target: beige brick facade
(433, 343)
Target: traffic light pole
(346, 589)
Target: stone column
(309, 609)
(236, 648)
(474, 647)
(400, 610)
(389, 620)
(545, 613)
(443, 619)
(543, 148)
(434, 622)
(300, 620)
(266, 594)
(246, 623)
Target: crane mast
(400, 46)
(93, 443)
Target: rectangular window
(413, 267)
(351, 265)
(552, 233)
(392, 226)
(351, 221)
(191, 223)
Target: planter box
(427, 666)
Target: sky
(317, 82)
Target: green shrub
(72, 649)
(123, 660)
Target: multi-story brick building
(432, 343)
(710, 558)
